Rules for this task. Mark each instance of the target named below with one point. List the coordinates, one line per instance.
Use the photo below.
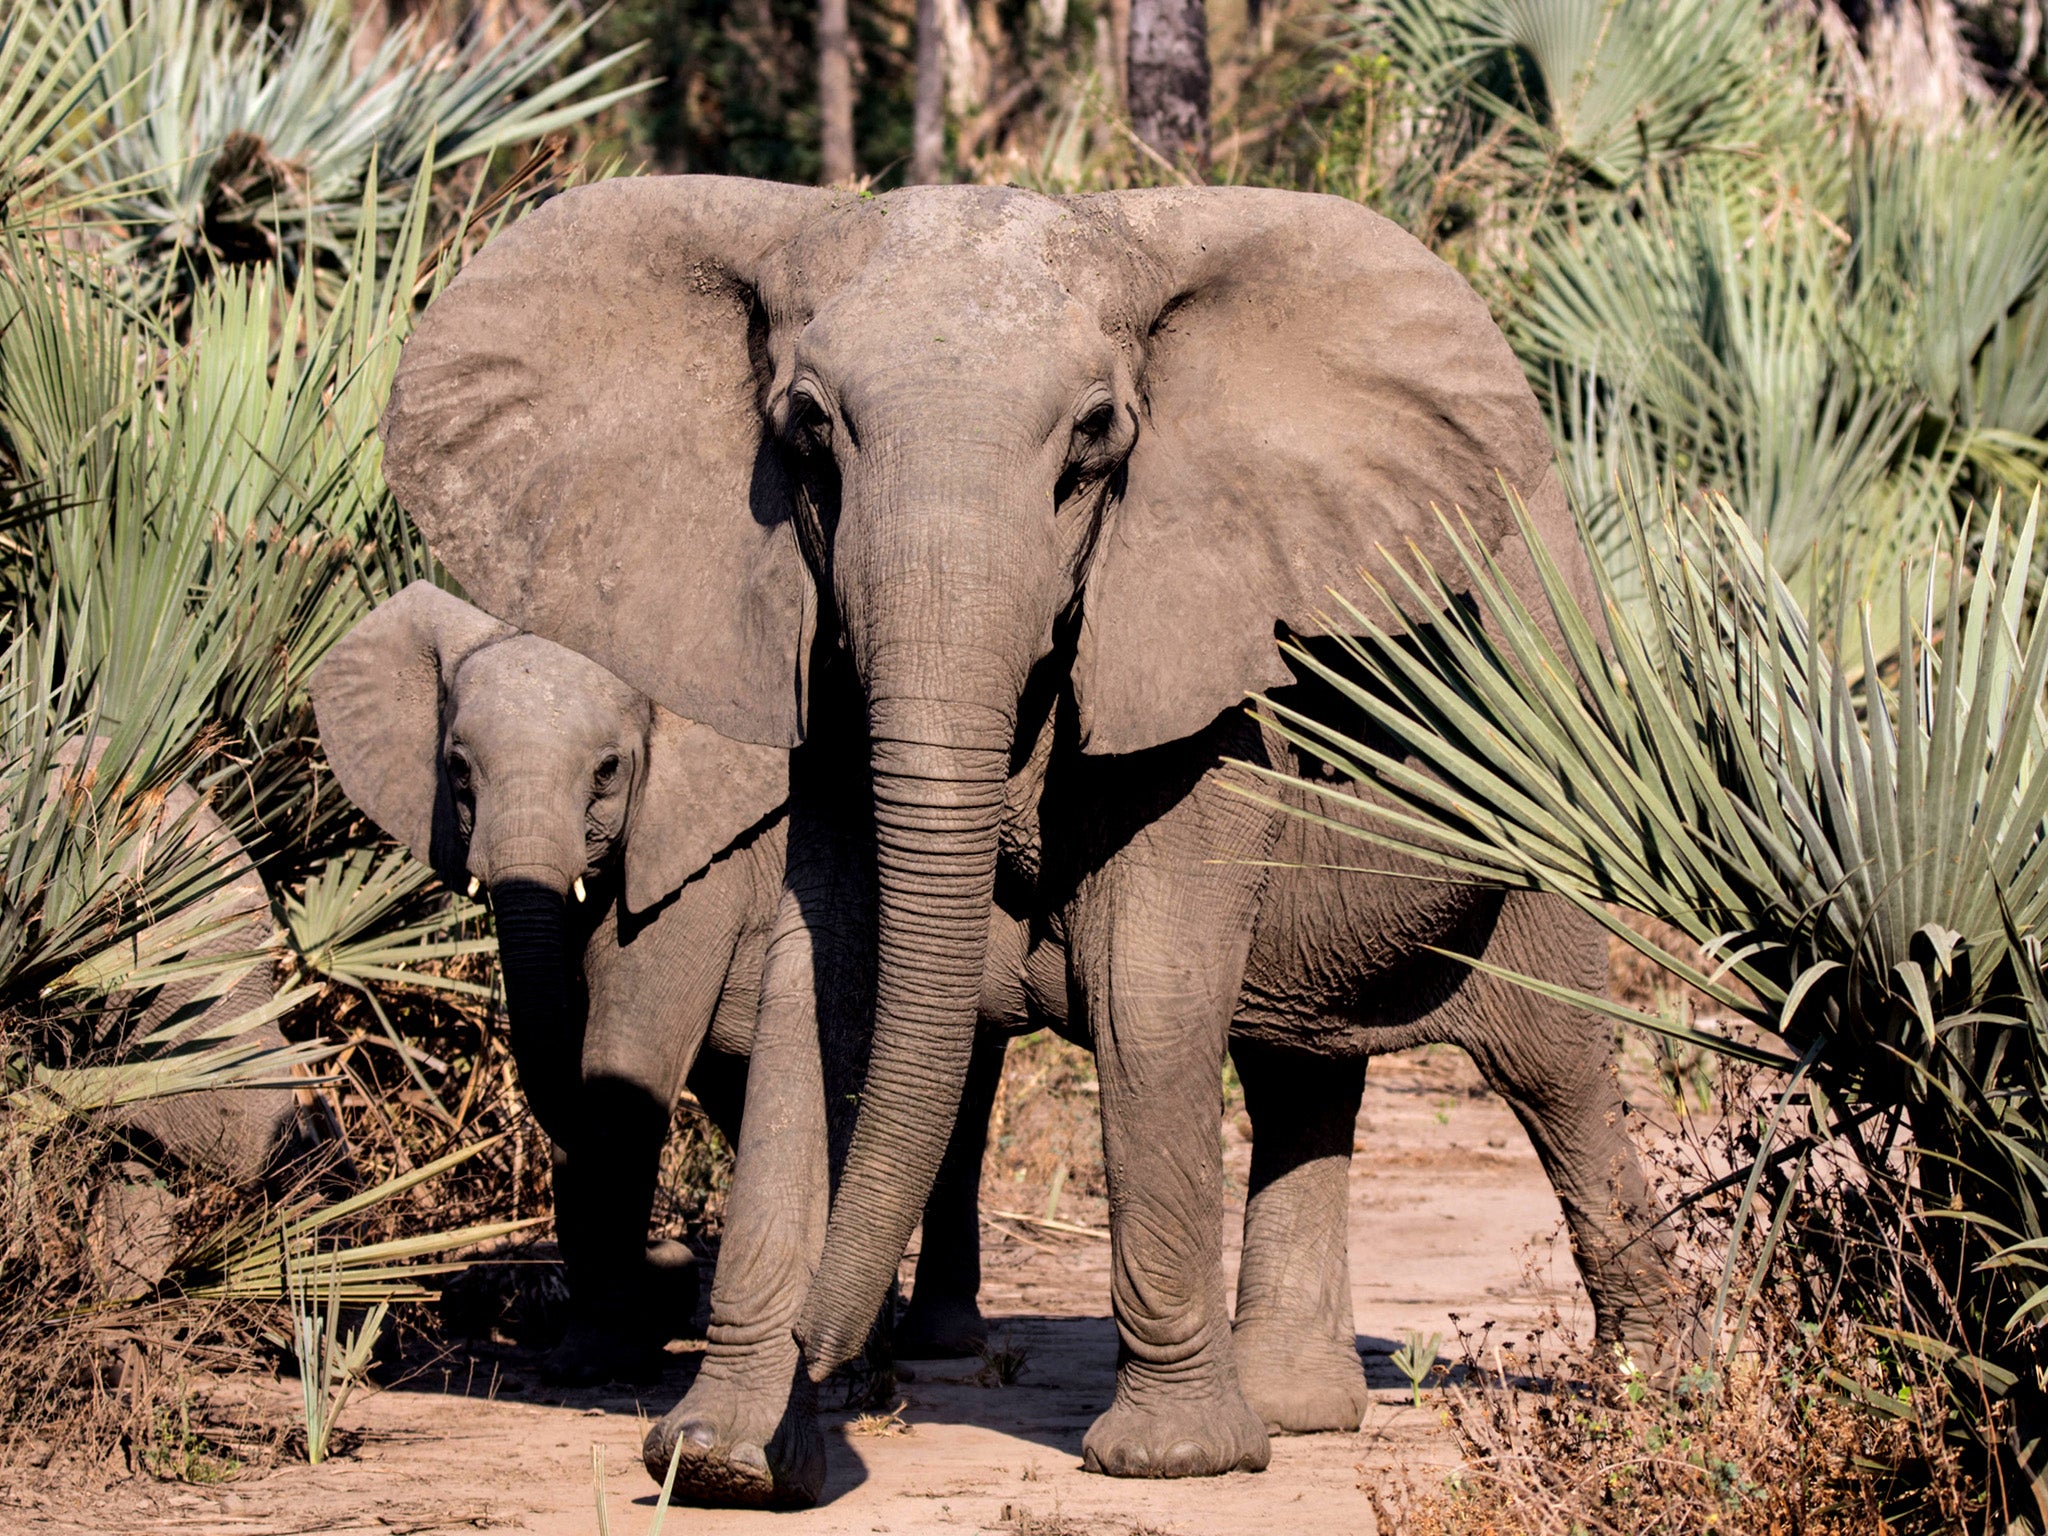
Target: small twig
(1051, 1225)
(1018, 1237)
(374, 1102)
(1165, 164)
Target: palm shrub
(1720, 275)
(1500, 117)
(194, 520)
(1850, 360)
(1860, 852)
(201, 140)
(191, 510)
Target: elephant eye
(1098, 421)
(607, 771)
(458, 771)
(810, 429)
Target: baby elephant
(634, 862)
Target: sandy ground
(1450, 1214)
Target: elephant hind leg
(1297, 1357)
(1554, 1064)
(944, 1319)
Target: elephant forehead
(941, 267)
(958, 221)
(526, 682)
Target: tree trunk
(1168, 78)
(928, 118)
(1903, 59)
(835, 92)
(1116, 32)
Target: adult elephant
(1031, 473)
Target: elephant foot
(589, 1355)
(742, 1447)
(1641, 1323)
(1659, 1354)
(1298, 1388)
(1182, 1435)
(945, 1328)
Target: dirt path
(1450, 1214)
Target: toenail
(1182, 1459)
(700, 1434)
(749, 1456)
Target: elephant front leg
(944, 1319)
(1160, 996)
(604, 1187)
(1297, 1356)
(748, 1429)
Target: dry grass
(1045, 1134)
(882, 1425)
(131, 1384)
(1567, 1446)
(77, 1378)
(1019, 1520)
(1003, 1364)
(1811, 1424)
(696, 1171)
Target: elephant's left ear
(1313, 383)
(699, 792)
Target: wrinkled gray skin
(508, 759)
(261, 1140)
(910, 477)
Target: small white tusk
(475, 885)
(577, 887)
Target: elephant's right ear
(577, 426)
(377, 696)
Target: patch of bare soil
(1451, 1218)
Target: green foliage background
(1799, 315)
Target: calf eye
(607, 771)
(459, 771)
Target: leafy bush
(1721, 276)
(205, 142)
(1863, 854)
(212, 242)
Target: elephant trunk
(527, 848)
(937, 815)
(945, 594)
(541, 971)
(533, 954)
(941, 718)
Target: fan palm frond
(221, 143)
(1603, 89)
(53, 111)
